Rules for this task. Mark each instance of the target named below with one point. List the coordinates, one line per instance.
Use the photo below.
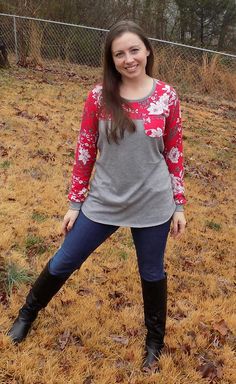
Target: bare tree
(228, 22)
(208, 23)
(4, 63)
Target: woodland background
(205, 23)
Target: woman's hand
(178, 224)
(69, 219)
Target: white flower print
(97, 89)
(155, 132)
(164, 99)
(177, 184)
(84, 155)
(82, 192)
(97, 93)
(159, 106)
(173, 97)
(155, 108)
(166, 88)
(174, 155)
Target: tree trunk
(202, 28)
(4, 63)
(229, 17)
(35, 40)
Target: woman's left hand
(178, 225)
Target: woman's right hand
(69, 219)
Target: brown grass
(210, 74)
(93, 332)
(191, 71)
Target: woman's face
(129, 55)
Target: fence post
(15, 37)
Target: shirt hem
(128, 225)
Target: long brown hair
(112, 100)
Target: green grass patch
(38, 217)
(14, 277)
(123, 255)
(212, 225)
(35, 245)
(5, 164)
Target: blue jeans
(86, 235)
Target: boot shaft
(42, 291)
(155, 310)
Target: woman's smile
(131, 68)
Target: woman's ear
(148, 52)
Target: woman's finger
(70, 224)
(64, 225)
(174, 229)
(181, 227)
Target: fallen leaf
(3, 151)
(120, 339)
(115, 295)
(133, 332)
(216, 342)
(210, 370)
(221, 327)
(154, 368)
(3, 298)
(120, 363)
(43, 155)
(75, 339)
(188, 263)
(84, 291)
(99, 304)
(178, 315)
(97, 355)
(186, 348)
(119, 378)
(2, 125)
(24, 114)
(192, 334)
(65, 303)
(64, 339)
(119, 300)
(129, 356)
(106, 269)
(88, 380)
(42, 118)
(170, 350)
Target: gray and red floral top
(138, 182)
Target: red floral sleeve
(86, 150)
(173, 151)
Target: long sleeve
(173, 148)
(86, 151)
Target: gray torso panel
(131, 184)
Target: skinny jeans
(86, 235)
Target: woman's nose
(128, 58)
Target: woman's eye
(134, 50)
(119, 54)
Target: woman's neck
(136, 88)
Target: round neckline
(142, 98)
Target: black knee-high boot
(42, 291)
(155, 310)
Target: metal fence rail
(46, 40)
(32, 41)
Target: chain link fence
(47, 44)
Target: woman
(133, 122)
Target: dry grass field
(92, 332)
